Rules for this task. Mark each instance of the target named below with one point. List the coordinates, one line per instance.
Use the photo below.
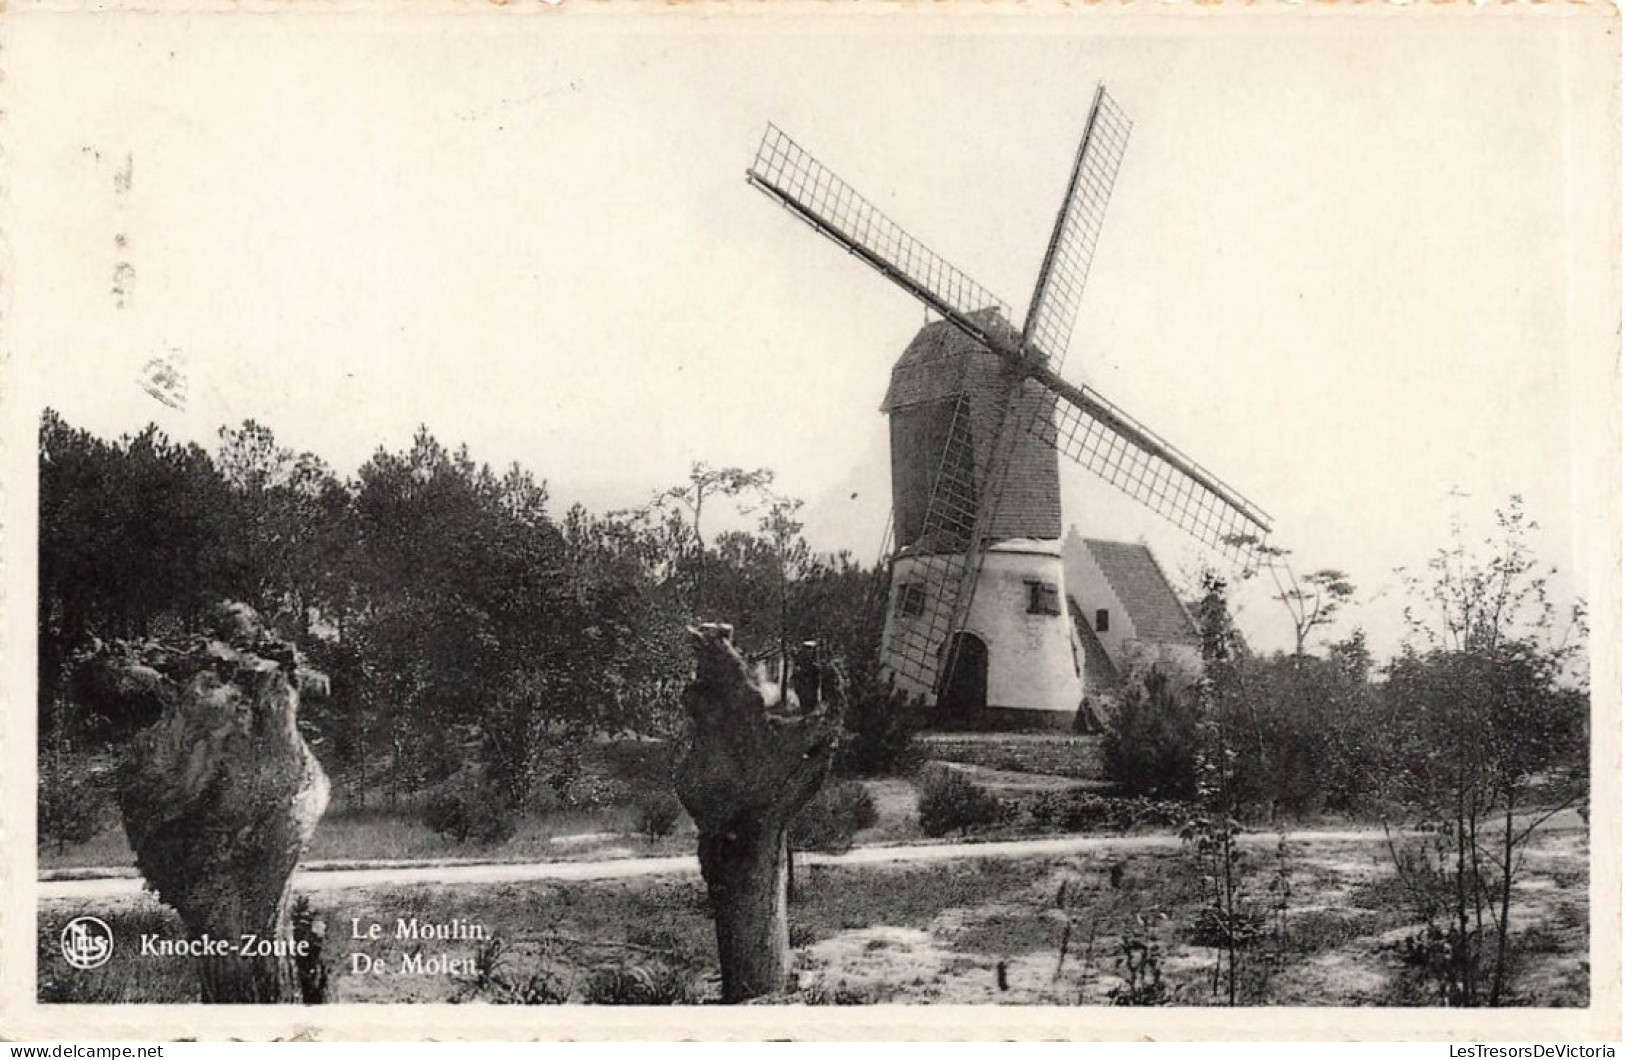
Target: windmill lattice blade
(1060, 285)
(915, 654)
(1107, 441)
(940, 556)
(784, 170)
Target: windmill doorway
(962, 698)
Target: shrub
(880, 724)
(657, 814)
(1139, 964)
(593, 791)
(839, 811)
(949, 800)
(582, 772)
(1151, 744)
(495, 982)
(1240, 927)
(74, 804)
(651, 982)
(842, 993)
(1085, 811)
(311, 930)
(468, 807)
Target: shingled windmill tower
(1015, 652)
(978, 620)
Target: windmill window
(1103, 621)
(910, 599)
(1043, 598)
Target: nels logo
(87, 942)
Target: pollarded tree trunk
(743, 775)
(262, 976)
(745, 869)
(220, 795)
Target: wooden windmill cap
(933, 367)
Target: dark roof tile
(1138, 580)
(1099, 674)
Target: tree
(474, 634)
(1230, 720)
(466, 632)
(221, 794)
(134, 536)
(1487, 708)
(1476, 596)
(1232, 757)
(633, 637)
(1321, 741)
(781, 531)
(1352, 656)
(1312, 601)
(1296, 733)
(283, 504)
(1151, 742)
(705, 481)
(743, 775)
(1489, 746)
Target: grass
(1048, 754)
(613, 772)
(380, 835)
(377, 833)
(897, 811)
(107, 848)
(125, 977)
(1322, 931)
(900, 932)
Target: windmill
(979, 413)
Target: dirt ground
(974, 931)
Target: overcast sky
(1350, 265)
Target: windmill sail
(785, 171)
(1050, 315)
(947, 550)
(1089, 429)
(1080, 422)
(1059, 289)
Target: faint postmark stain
(123, 267)
(164, 379)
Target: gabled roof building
(1124, 608)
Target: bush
(1084, 811)
(839, 811)
(652, 982)
(1321, 740)
(950, 800)
(657, 814)
(1152, 741)
(842, 993)
(74, 804)
(311, 930)
(1239, 928)
(594, 791)
(880, 724)
(496, 982)
(803, 935)
(1051, 754)
(469, 807)
(1139, 964)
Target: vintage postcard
(774, 521)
